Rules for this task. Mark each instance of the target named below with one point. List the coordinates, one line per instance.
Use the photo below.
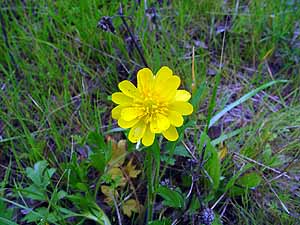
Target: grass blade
(244, 98)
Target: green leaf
(181, 151)
(226, 136)
(36, 173)
(6, 214)
(233, 179)
(43, 214)
(168, 160)
(96, 141)
(246, 182)
(197, 96)
(160, 222)
(244, 98)
(101, 153)
(89, 209)
(194, 206)
(40, 176)
(98, 161)
(212, 165)
(171, 198)
(250, 180)
(5, 221)
(35, 192)
(267, 153)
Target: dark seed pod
(105, 23)
(206, 216)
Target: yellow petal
(127, 124)
(171, 134)
(137, 131)
(144, 80)
(167, 89)
(128, 88)
(163, 74)
(154, 125)
(184, 108)
(162, 122)
(116, 112)
(175, 118)
(131, 113)
(148, 137)
(120, 98)
(182, 96)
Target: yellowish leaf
(118, 153)
(117, 176)
(222, 152)
(129, 207)
(131, 171)
(109, 192)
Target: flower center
(152, 106)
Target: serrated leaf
(98, 161)
(96, 141)
(130, 206)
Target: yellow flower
(154, 106)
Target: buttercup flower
(154, 106)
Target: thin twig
(132, 36)
(216, 203)
(189, 150)
(117, 209)
(263, 165)
(274, 192)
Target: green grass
(58, 70)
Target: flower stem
(149, 171)
(152, 158)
